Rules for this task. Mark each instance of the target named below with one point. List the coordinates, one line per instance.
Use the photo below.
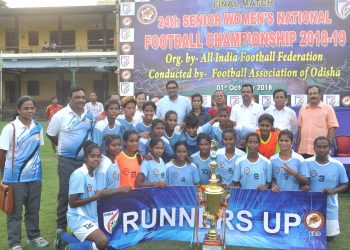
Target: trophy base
(212, 244)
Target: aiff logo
(342, 8)
(110, 220)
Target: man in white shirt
(180, 104)
(69, 129)
(245, 116)
(94, 107)
(140, 99)
(285, 117)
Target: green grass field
(49, 201)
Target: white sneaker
(38, 242)
(17, 247)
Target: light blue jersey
(252, 174)
(27, 163)
(80, 182)
(168, 151)
(101, 129)
(285, 181)
(226, 167)
(125, 125)
(186, 175)
(202, 166)
(107, 174)
(216, 134)
(72, 131)
(329, 175)
(141, 127)
(175, 137)
(192, 141)
(153, 171)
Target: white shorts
(85, 230)
(332, 227)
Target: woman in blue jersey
(289, 171)
(252, 171)
(82, 207)
(227, 156)
(172, 130)
(107, 173)
(152, 172)
(327, 175)
(157, 131)
(144, 128)
(178, 171)
(126, 120)
(202, 158)
(109, 125)
(26, 174)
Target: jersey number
(256, 176)
(321, 178)
(183, 179)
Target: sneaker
(17, 247)
(58, 243)
(38, 242)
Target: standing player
(253, 171)
(327, 175)
(227, 156)
(172, 130)
(129, 160)
(289, 171)
(223, 122)
(178, 171)
(202, 158)
(109, 125)
(152, 172)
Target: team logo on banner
(332, 100)
(127, 9)
(342, 8)
(126, 88)
(314, 220)
(266, 100)
(110, 220)
(206, 101)
(233, 100)
(126, 35)
(126, 61)
(298, 100)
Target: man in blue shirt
(180, 104)
(327, 175)
(69, 129)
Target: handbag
(6, 190)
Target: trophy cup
(213, 201)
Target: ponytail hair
(88, 146)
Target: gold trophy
(212, 199)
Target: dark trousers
(66, 167)
(26, 194)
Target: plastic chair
(342, 145)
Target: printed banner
(222, 44)
(293, 220)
